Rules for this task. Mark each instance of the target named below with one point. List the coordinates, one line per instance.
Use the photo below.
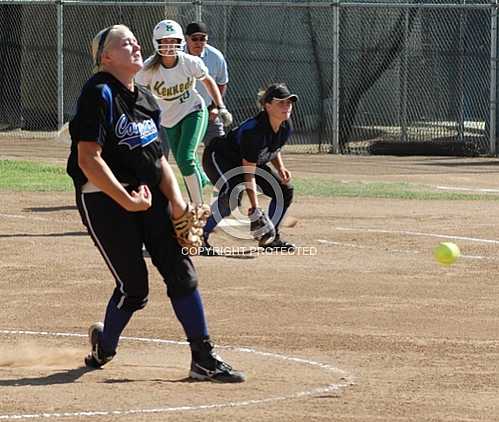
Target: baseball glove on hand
(189, 227)
(225, 116)
(261, 226)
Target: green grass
(17, 176)
(331, 188)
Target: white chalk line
(331, 388)
(34, 218)
(27, 217)
(171, 409)
(407, 251)
(411, 233)
(226, 222)
(455, 188)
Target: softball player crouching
(251, 147)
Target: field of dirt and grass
(361, 324)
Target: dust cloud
(31, 354)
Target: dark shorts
(119, 236)
(220, 171)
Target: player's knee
(182, 288)
(131, 302)
(187, 166)
(135, 303)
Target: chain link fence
(373, 77)
(415, 80)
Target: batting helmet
(168, 29)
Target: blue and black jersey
(253, 140)
(124, 123)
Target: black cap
(279, 92)
(195, 28)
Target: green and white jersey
(175, 87)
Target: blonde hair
(101, 42)
(154, 63)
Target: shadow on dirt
(43, 234)
(64, 377)
(51, 209)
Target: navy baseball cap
(279, 92)
(196, 28)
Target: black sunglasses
(199, 38)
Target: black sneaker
(207, 249)
(97, 357)
(207, 366)
(278, 245)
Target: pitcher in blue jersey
(126, 194)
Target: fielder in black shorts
(242, 158)
(126, 193)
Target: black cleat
(207, 366)
(207, 249)
(97, 357)
(222, 372)
(277, 245)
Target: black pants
(119, 236)
(228, 178)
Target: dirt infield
(361, 325)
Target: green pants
(184, 139)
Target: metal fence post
(403, 82)
(198, 10)
(460, 79)
(60, 64)
(493, 77)
(224, 40)
(336, 79)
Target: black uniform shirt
(124, 123)
(253, 140)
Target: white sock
(194, 188)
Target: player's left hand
(189, 227)
(261, 227)
(285, 175)
(213, 116)
(225, 116)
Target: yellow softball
(446, 253)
